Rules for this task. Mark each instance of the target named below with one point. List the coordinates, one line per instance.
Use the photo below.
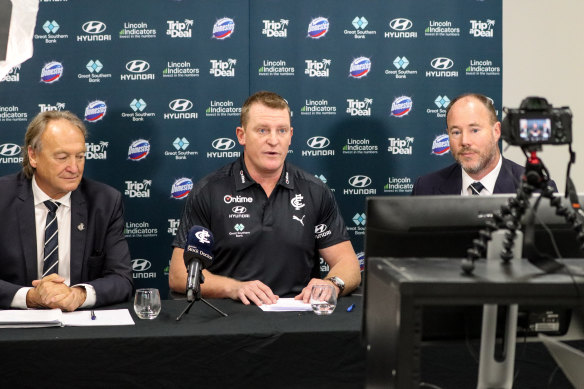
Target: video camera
(537, 123)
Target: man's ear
(32, 156)
(240, 133)
(497, 131)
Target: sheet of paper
(29, 318)
(111, 317)
(286, 305)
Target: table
(249, 348)
(396, 289)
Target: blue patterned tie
(51, 252)
(476, 187)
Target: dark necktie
(51, 252)
(475, 188)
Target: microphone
(197, 256)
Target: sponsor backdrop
(160, 85)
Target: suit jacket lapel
(78, 234)
(506, 181)
(27, 229)
(452, 185)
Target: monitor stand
(497, 360)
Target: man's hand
(305, 294)
(51, 292)
(254, 291)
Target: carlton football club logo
(360, 67)
(223, 28)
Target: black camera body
(536, 123)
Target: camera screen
(535, 129)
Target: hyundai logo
(401, 24)
(359, 181)
(137, 66)
(320, 228)
(94, 27)
(140, 264)
(318, 142)
(9, 149)
(180, 105)
(442, 63)
(239, 209)
(223, 144)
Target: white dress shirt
(488, 181)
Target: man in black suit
(61, 236)
(473, 131)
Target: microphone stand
(192, 297)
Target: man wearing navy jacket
(62, 239)
(480, 169)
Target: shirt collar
(488, 181)
(243, 180)
(41, 197)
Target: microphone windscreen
(199, 245)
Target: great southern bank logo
(360, 67)
(275, 29)
(317, 28)
(181, 188)
(51, 72)
(223, 28)
(441, 145)
(359, 23)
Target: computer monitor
(445, 226)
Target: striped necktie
(475, 188)
(51, 252)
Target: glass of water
(323, 299)
(147, 303)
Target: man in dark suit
(61, 236)
(473, 132)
